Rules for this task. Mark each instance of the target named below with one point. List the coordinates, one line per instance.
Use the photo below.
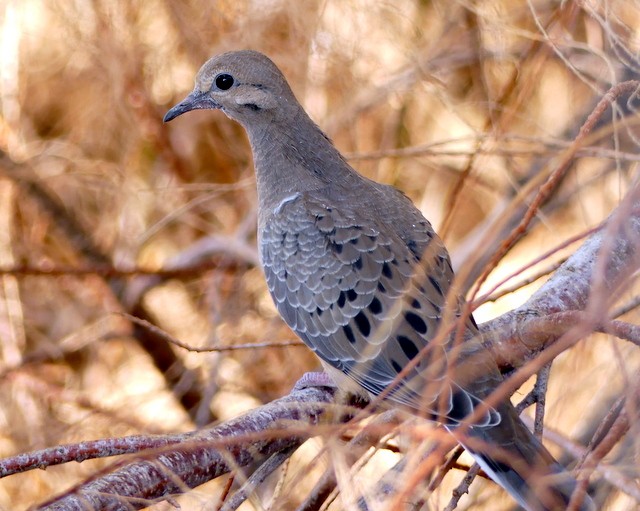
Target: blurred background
(104, 210)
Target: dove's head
(245, 85)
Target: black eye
(224, 81)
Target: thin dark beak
(195, 101)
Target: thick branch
(202, 456)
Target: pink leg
(315, 379)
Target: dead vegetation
(473, 109)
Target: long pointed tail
(517, 461)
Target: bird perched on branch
(362, 278)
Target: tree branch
(600, 267)
(202, 455)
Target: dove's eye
(224, 81)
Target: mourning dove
(362, 278)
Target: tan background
(494, 88)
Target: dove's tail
(515, 459)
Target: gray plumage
(358, 273)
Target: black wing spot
(386, 270)
(337, 248)
(381, 287)
(352, 295)
(375, 306)
(413, 246)
(415, 303)
(342, 299)
(319, 311)
(436, 285)
(416, 322)
(363, 323)
(349, 333)
(408, 347)
(358, 264)
(397, 367)
(448, 263)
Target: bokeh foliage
(459, 104)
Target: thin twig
(258, 477)
(540, 393)
(462, 488)
(170, 339)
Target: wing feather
(364, 299)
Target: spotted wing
(367, 302)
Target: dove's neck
(292, 156)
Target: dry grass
(461, 105)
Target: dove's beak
(197, 100)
